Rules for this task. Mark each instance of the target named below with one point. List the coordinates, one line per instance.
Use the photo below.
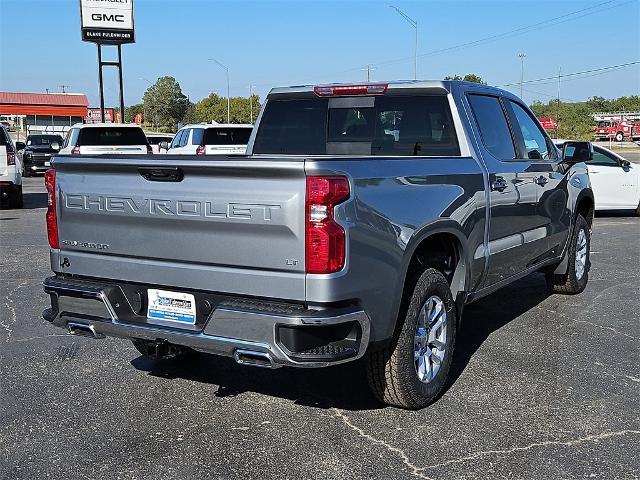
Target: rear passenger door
(513, 243)
(552, 216)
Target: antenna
(63, 87)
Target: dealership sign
(94, 115)
(107, 21)
(549, 123)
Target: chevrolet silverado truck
(360, 222)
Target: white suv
(10, 172)
(211, 139)
(102, 138)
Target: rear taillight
(149, 150)
(52, 217)
(11, 155)
(201, 150)
(75, 151)
(325, 239)
(342, 90)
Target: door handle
(541, 180)
(154, 174)
(499, 184)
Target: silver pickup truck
(359, 223)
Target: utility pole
(414, 24)
(226, 69)
(251, 102)
(522, 56)
(368, 70)
(558, 109)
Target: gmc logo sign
(105, 17)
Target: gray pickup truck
(359, 223)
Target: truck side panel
(388, 215)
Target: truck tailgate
(212, 224)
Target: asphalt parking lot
(543, 386)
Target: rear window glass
(227, 136)
(44, 139)
(112, 136)
(391, 126)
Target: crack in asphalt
(418, 471)
(415, 470)
(563, 443)
(10, 304)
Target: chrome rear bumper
(95, 308)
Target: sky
(278, 43)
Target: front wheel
(619, 137)
(577, 276)
(413, 370)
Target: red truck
(618, 130)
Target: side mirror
(577, 152)
(55, 146)
(164, 145)
(625, 164)
(20, 146)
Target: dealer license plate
(171, 306)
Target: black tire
(619, 137)
(164, 351)
(638, 210)
(392, 372)
(569, 283)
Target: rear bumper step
(252, 332)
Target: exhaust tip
(253, 358)
(84, 330)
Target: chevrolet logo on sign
(107, 21)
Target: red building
(43, 112)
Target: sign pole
(121, 84)
(100, 83)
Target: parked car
(207, 139)
(36, 155)
(105, 138)
(155, 139)
(10, 172)
(614, 179)
(360, 222)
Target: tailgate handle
(161, 174)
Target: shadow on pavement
(345, 386)
(34, 200)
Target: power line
(572, 74)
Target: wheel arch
(436, 245)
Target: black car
(38, 151)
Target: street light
(414, 24)
(522, 56)
(226, 69)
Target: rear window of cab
(380, 126)
(100, 136)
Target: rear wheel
(159, 350)
(413, 370)
(577, 276)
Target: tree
(133, 110)
(164, 103)
(214, 108)
(469, 77)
